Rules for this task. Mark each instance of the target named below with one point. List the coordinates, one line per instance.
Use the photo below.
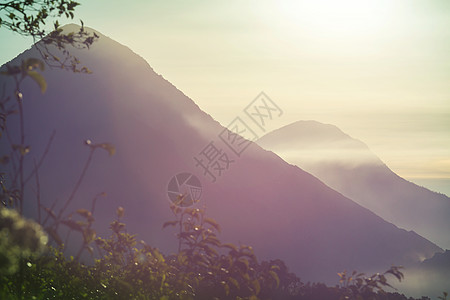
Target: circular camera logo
(184, 189)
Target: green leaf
(32, 63)
(11, 70)
(230, 246)
(72, 224)
(52, 232)
(85, 70)
(49, 211)
(210, 251)
(4, 159)
(234, 282)
(90, 249)
(213, 240)
(243, 264)
(39, 79)
(89, 235)
(275, 267)
(120, 212)
(108, 147)
(85, 213)
(256, 286)
(226, 287)
(213, 223)
(169, 223)
(275, 277)
(24, 150)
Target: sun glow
(330, 18)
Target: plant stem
(47, 148)
(38, 193)
(22, 145)
(77, 186)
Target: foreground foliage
(203, 268)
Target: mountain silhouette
(260, 200)
(348, 166)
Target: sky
(379, 70)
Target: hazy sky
(379, 70)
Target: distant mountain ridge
(348, 166)
(261, 200)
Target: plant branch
(78, 184)
(47, 148)
(38, 192)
